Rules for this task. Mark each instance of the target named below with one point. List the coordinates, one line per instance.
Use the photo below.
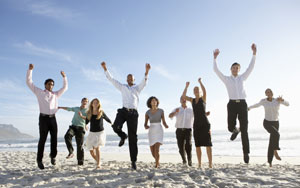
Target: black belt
(47, 115)
(237, 100)
(183, 129)
(129, 109)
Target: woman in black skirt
(202, 134)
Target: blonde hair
(90, 110)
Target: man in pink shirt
(48, 105)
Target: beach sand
(19, 169)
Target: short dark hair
(48, 80)
(84, 99)
(149, 101)
(235, 63)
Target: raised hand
(254, 49)
(187, 84)
(280, 99)
(63, 73)
(103, 64)
(31, 66)
(216, 53)
(148, 67)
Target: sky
(176, 37)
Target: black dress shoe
(246, 158)
(133, 165)
(53, 161)
(234, 134)
(40, 165)
(190, 163)
(122, 141)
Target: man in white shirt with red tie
(237, 106)
(130, 97)
(48, 105)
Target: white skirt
(155, 134)
(95, 139)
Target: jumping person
(237, 106)
(130, 95)
(271, 121)
(48, 105)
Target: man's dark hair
(149, 101)
(235, 63)
(49, 80)
(84, 99)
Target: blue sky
(176, 37)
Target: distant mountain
(8, 131)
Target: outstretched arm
(256, 105)
(144, 81)
(203, 90)
(246, 74)
(185, 91)
(116, 83)
(172, 114)
(64, 108)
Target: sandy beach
(19, 169)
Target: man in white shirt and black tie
(130, 97)
(237, 106)
(48, 105)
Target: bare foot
(276, 155)
(71, 155)
(199, 166)
(98, 167)
(210, 165)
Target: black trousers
(239, 110)
(78, 132)
(131, 117)
(184, 142)
(272, 127)
(47, 124)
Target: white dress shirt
(235, 85)
(271, 108)
(184, 118)
(130, 94)
(48, 101)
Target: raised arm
(29, 81)
(144, 81)
(185, 91)
(216, 69)
(282, 101)
(116, 83)
(64, 108)
(65, 84)
(246, 74)
(203, 90)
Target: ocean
(222, 146)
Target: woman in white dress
(156, 132)
(271, 121)
(97, 136)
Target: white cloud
(42, 51)
(48, 9)
(161, 70)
